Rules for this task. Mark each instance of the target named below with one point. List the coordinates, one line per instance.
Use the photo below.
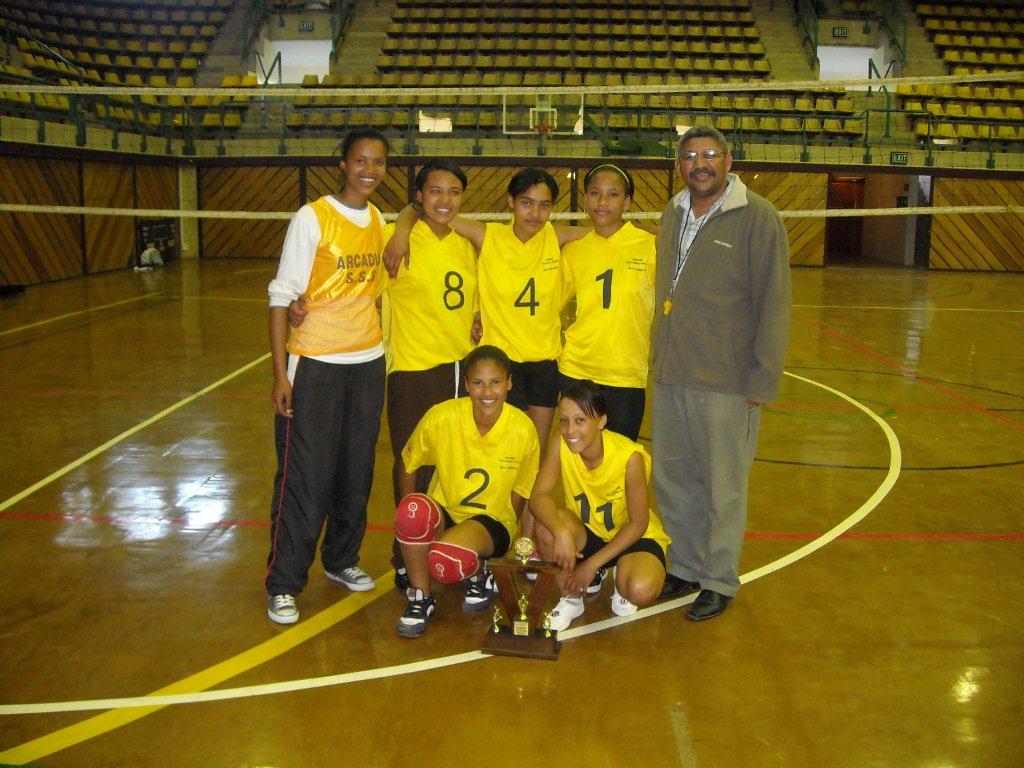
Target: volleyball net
(967, 121)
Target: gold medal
(667, 307)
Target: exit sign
(898, 158)
(840, 31)
(305, 26)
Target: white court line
(903, 309)
(126, 434)
(79, 312)
(267, 689)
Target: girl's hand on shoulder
(396, 253)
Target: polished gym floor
(880, 623)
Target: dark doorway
(843, 234)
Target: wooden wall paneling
(156, 186)
(38, 248)
(246, 188)
(989, 242)
(109, 240)
(651, 193)
(796, 191)
(487, 189)
(322, 180)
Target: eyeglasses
(707, 154)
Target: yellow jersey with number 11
(598, 496)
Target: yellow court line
(236, 665)
(79, 312)
(126, 434)
(178, 693)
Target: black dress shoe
(674, 587)
(707, 605)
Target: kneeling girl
(485, 457)
(606, 519)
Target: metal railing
(893, 21)
(807, 21)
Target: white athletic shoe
(568, 608)
(282, 609)
(621, 606)
(355, 578)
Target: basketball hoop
(542, 129)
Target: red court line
(376, 528)
(236, 522)
(866, 350)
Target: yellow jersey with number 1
(521, 293)
(598, 496)
(475, 474)
(613, 279)
(427, 311)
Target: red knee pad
(450, 563)
(416, 518)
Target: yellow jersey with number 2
(475, 474)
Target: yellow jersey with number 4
(427, 310)
(475, 474)
(613, 280)
(521, 293)
(598, 496)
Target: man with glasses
(719, 342)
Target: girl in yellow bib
(328, 380)
(485, 457)
(605, 518)
(611, 273)
(521, 285)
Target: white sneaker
(621, 606)
(568, 608)
(355, 578)
(282, 609)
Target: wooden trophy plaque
(519, 624)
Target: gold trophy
(520, 627)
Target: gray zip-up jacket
(728, 329)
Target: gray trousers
(325, 458)
(704, 445)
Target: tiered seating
(156, 43)
(971, 39)
(696, 38)
(167, 40)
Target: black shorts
(534, 383)
(625, 405)
(595, 543)
(497, 532)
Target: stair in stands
(364, 39)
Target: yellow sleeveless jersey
(521, 293)
(346, 279)
(428, 309)
(598, 497)
(613, 279)
(475, 475)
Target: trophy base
(532, 647)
